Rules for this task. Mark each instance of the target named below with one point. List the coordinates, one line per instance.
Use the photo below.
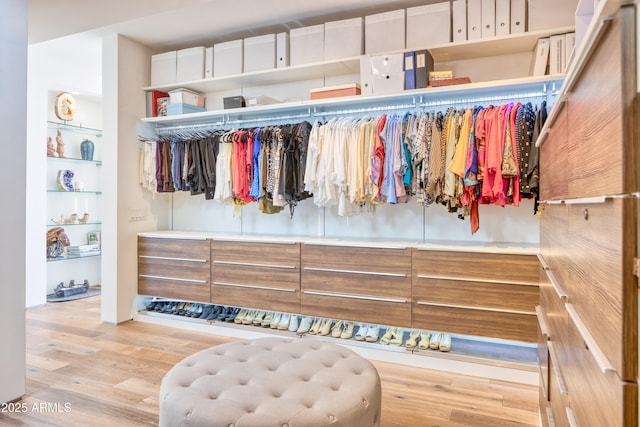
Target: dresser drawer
(167, 248)
(174, 288)
(552, 306)
(475, 266)
(554, 158)
(264, 275)
(559, 400)
(479, 322)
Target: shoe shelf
(74, 160)
(68, 257)
(75, 192)
(384, 337)
(74, 224)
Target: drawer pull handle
(342, 244)
(240, 240)
(556, 286)
(468, 279)
(542, 320)
(250, 264)
(177, 279)
(167, 258)
(571, 417)
(467, 307)
(556, 369)
(370, 273)
(596, 353)
(543, 262)
(266, 288)
(330, 294)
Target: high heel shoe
(347, 332)
(305, 325)
(293, 323)
(434, 342)
(326, 327)
(425, 336)
(284, 322)
(445, 342)
(387, 336)
(362, 332)
(248, 319)
(240, 316)
(412, 341)
(398, 336)
(337, 329)
(372, 333)
(267, 319)
(316, 326)
(257, 321)
(275, 321)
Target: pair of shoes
(241, 315)
(347, 332)
(305, 325)
(248, 319)
(266, 321)
(412, 341)
(337, 328)
(315, 327)
(393, 336)
(425, 336)
(445, 342)
(293, 323)
(325, 327)
(434, 342)
(275, 321)
(362, 332)
(372, 333)
(285, 319)
(232, 315)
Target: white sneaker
(362, 332)
(305, 325)
(293, 324)
(284, 322)
(372, 333)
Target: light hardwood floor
(81, 372)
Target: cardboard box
(344, 38)
(175, 109)
(227, 58)
(186, 96)
(164, 68)
(306, 44)
(350, 89)
(428, 25)
(190, 64)
(259, 53)
(384, 32)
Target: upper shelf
(73, 128)
(495, 92)
(469, 49)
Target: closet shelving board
(497, 92)
(469, 49)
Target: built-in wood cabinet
(263, 275)
(483, 294)
(589, 235)
(174, 268)
(366, 284)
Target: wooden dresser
(588, 314)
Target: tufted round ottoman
(272, 382)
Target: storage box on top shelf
(175, 109)
(384, 32)
(428, 25)
(544, 14)
(488, 18)
(387, 73)
(306, 44)
(459, 20)
(344, 38)
(518, 15)
(227, 58)
(186, 96)
(282, 50)
(190, 64)
(164, 68)
(259, 53)
(350, 89)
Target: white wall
(126, 70)
(13, 86)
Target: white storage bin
(428, 25)
(186, 96)
(545, 14)
(163, 68)
(306, 44)
(384, 64)
(227, 58)
(190, 64)
(344, 38)
(388, 82)
(208, 63)
(459, 19)
(384, 32)
(259, 53)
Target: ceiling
(175, 24)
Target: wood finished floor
(110, 376)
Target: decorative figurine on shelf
(65, 106)
(59, 144)
(71, 219)
(51, 151)
(84, 219)
(86, 149)
(65, 180)
(57, 240)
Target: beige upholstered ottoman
(272, 382)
